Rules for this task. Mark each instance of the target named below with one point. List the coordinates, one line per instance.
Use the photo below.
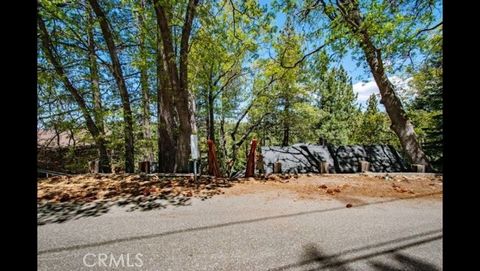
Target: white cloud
(364, 90)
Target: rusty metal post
(251, 160)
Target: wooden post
(364, 166)
(144, 166)
(251, 159)
(418, 168)
(94, 166)
(277, 167)
(260, 164)
(213, 168)
(323, 167)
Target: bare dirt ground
(63, 198)
(349, 188)
(92, 187)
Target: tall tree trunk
(401, 125)
(286, 123)
(147, 132)
(178, 80)
(165, 111)
(120, 80)
(104, 163)
(94, 76)
(97, 98)
(211, 116)
(223, 141)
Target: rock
(109, 194)
(64, 197)
(323, 186)
(274, 177)
(309, 175)
(122, 202)
(138, 198)
(166, 190)
(146, 192)
(187, 193)
(337, 190)
(330, 191)
(349, 205)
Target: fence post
(212, 160)
(251, 160)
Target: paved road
(251, 232)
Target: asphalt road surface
(262, 231)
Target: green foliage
(336, 103)
(260, 78)
(374, 127)
(426, 110)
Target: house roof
(49, 138)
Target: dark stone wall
(382, 158)
(302, 158)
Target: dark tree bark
(165, 111)
(223, 142)
(104, 161)
(120, 80)
(178, 80)
(401, 125)
(211, 116)
(286, 123)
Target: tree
(288, 101)
(52, 56)
(373, 127)
(178, 78)
(380, 30)
(144, 80)
(122, 87)
(427, 108)
(338, 111)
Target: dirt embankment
(345, 187)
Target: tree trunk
(118, 74)
(401, 125)
(147, 132)
(91, 126)
(166, 124)
(178, 80)
(94, 77)
(211, 125)
(223, 143)
(286, 124)
(104, 160)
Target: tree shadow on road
(314, 258)
(221, 225)
(141, 193)
(64, 211)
